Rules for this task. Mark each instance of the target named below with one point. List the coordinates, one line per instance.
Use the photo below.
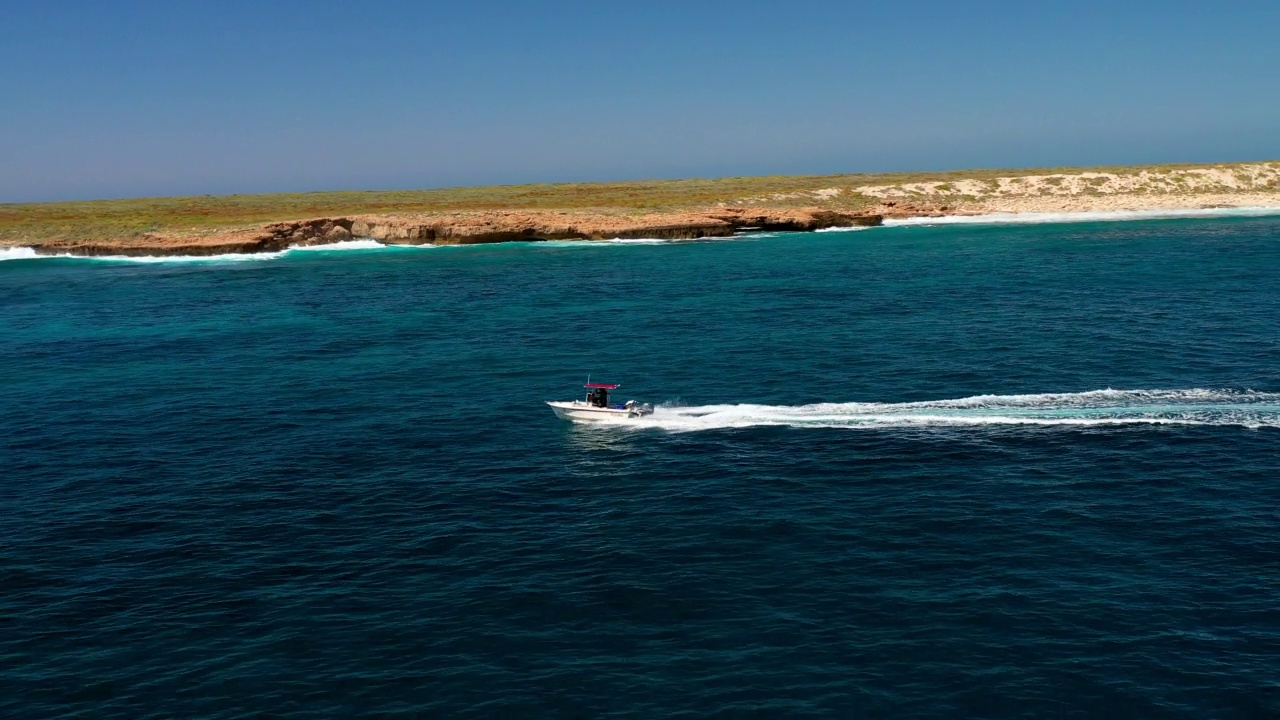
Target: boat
(596, 407)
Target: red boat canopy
(601, 385)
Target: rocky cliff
(503, 226)
(469, 228)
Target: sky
(136, 98)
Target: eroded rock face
(502, 226)
(471, 228)
(909, 209)
(798, 220)
(337, 233)
(505, 226)
(278, 236)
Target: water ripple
(886, 479)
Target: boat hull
(582, 412)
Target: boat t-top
(596, 406)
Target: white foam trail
(357, 244)
(156, 259)
(670, 241)
(560, 243)
(853, 228)
(598, 243)
(1248, 409)
(27, 253)
(1037, 218)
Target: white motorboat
(596, 408)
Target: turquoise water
(990, 471)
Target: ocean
(932, 471)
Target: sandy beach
(1245, 185)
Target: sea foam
(18, 253)
(1248, 409)
(27, 253)
(852, 228)
(357, 244)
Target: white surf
(27, 253)
(1247, 409)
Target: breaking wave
(852, 228)
(1037, 218)
(1245, 408)
(620, 241)
(18, 253)
(358, 244)
(27, 253)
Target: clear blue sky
(173, 97)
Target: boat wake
(1247, 409)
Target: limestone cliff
(466, 229)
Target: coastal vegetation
(108, 220)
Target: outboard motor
(636, 409)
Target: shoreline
(463, 229)
(386, 231)
(184, 252)
(657, 210)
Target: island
(659, 209)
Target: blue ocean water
(952, 471)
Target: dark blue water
(1019, 471)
